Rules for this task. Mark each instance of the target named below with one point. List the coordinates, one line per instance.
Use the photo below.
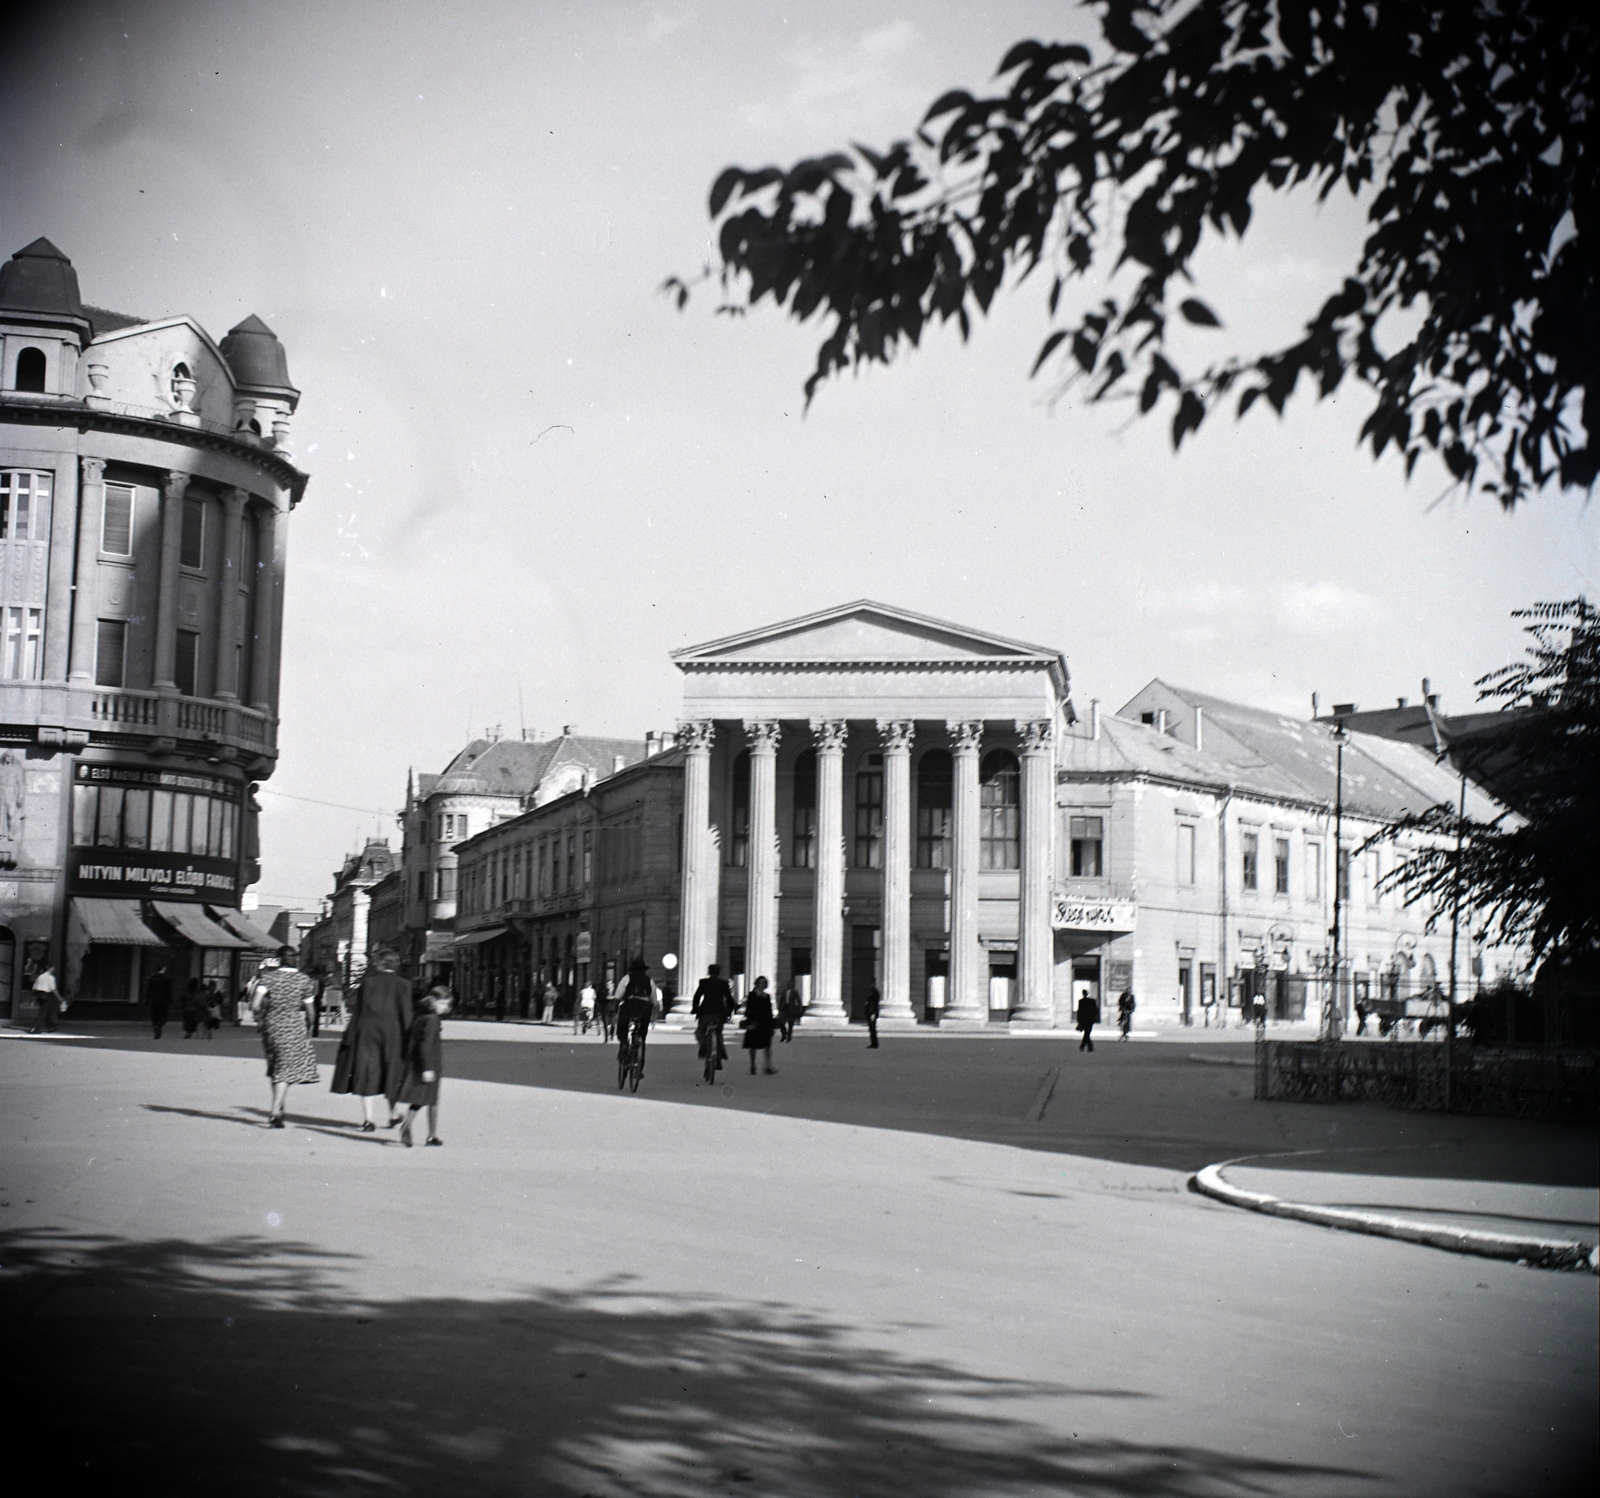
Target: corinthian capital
(829, 734)
(762, 735)
(93, 469)
(176, 484)
(697, 736)
(897, 735)
(1035, 735)
(965, 738)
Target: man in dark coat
(1088, 1018)
(870, 1009)
(158, 995)
(712, 1007)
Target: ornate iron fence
(1553, 1084)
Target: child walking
(419, 1087)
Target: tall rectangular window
(136, 819)
(192, 551)
(1344, 876)
(1373, 872)
(572, 860)
(187, 661)
(116, 524)
(19, 651)
(1313, 871)
(588, 858)
(108, 827)
(110, 653)
(1251, 844)
(543, 881)
(1280, 865)
(869, 814)
(803, 831)
(935, 793)
(85, 807)
(739, 812)
(1185, 853)
(1088, 844)
(160, 821)
(23, 506)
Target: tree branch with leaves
(1464, 126)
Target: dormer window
(30, 371)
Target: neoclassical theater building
(869, 801)
(873, 798)
(145, 490)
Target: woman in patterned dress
(282, 1003)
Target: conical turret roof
(40, 279)
(257, 359)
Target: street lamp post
(1331, 1014)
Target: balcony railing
(59, 708)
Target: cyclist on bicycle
(636, 1008)
(712, 1007)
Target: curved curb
(1545, 1253)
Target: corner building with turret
(145, 489)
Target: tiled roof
(515, 767)
(1267, 754)
(104, 320)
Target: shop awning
(242, 926)
(472, 938)
(192, 923)
(114, 923)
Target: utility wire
(312, 801)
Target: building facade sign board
(1072, 913)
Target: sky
(532, 477)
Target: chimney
(1199, 728)
(618, 762)
(650, 745)
(1316, 705)
(1161, 722)
(1094, 718)
(569, 730)
(1402, 702)
(588, 780)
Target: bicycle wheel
(636, 1071)
(622, 1072)
(711, 1060)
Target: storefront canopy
(192, 923)
(114, 923)
(472, 938)
(246, 929)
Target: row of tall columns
(167, 588)
(967, 998)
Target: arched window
(935, 789)
(739, 843)
(804, 839)
(997, 812)
(869, 813)
(30, 371)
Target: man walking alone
(1088, 1018)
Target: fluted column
(1036, 941)
(86, 579)
(694, 951)
(761, 888)
(233, 503)
(261, 625)
(896, 928)
(167, 587)
(827, 942)
(968, 1001)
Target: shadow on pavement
(243, 1366)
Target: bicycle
(712, 1040)
(630, 1064)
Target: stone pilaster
(228, 606)
(172, 494)
(86, 579)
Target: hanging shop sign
(116, 872)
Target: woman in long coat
(280, 998)
(371, 1058)
(758, 1024)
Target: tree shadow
(247, 1365)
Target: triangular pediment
(862, 631)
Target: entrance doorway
(1186, 991)
(866, 956)
(1002, 985)
(935, 994)
(8, 970)
(1086, 982)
